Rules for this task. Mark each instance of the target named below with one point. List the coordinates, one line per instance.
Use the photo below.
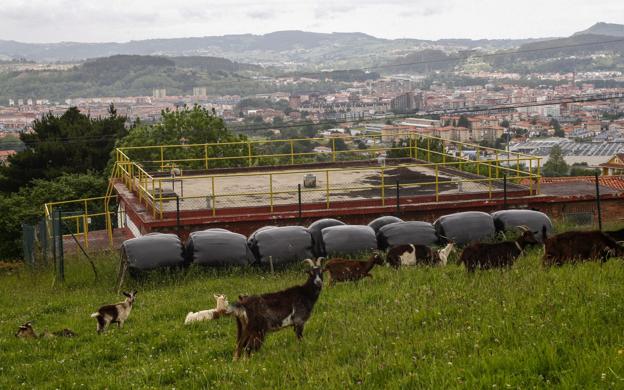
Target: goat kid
(26, 331)
(576, 246)
(115, 313)
(342, 270)
(256, 315)
(498, 254)
(211, 314)
(412, 254)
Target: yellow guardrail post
(497, 165)
(531, 176)
(206, 157)
(428, 149)
(383, 188)
(478, 160)
(249, 152)
(292, 152)
(333, 149)
(214, 197)
(271, 190)
(539, 179)
(162, 158)
(327, 186)
(443, 152)
(85, 222)
(437, 182)
(490, 180)
(160, 197)
(461, 158)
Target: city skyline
(40, 21)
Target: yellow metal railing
(445, 162)
(79, 214)
(249, 153)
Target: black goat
(256, 315)
(498, 254)
(616, 235)
(576, 246)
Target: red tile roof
(614, 182)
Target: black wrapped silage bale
(348, 239)
(505, 220)
(408, 232)
(283, 245)
(380, 222)
(217, 248)
(315, 230)
(465, 227)
(152, 251)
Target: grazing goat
(418, 254)
(498, 254)
(575, 246)
(342, 270)
(117, 312)
(211, 314)
(26, 331)
(616, 235)
(256, 315)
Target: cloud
(122, 20)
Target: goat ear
(134, 292)
(126, 294)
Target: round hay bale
(152, 251)
(506, 220)
(465, 227)
(315, 230)
(348, 239)
(408, 232)
(217, 248)
(282, 245)
(380, 222)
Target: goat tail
(544, 233)
(96, 314)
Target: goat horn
(309, 262)
(524, 228)
(319, 261)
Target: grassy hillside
(415, 328)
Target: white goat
(211, 314)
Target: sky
(124, 20)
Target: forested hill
(128, 75)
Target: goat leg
(298, 331)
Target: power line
(465, 111)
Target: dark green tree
(556, 165)
(557, 127)
(70, 143)
(463, 122)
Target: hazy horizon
(51, 21)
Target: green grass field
(414, 328)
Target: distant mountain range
(276, 47)
(610, 29)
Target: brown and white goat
(256, 315)
(342, 270)
(497, 254)
(211, 314)
(26, 331)
(576, 246)
(418, 255)
(115, 313)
